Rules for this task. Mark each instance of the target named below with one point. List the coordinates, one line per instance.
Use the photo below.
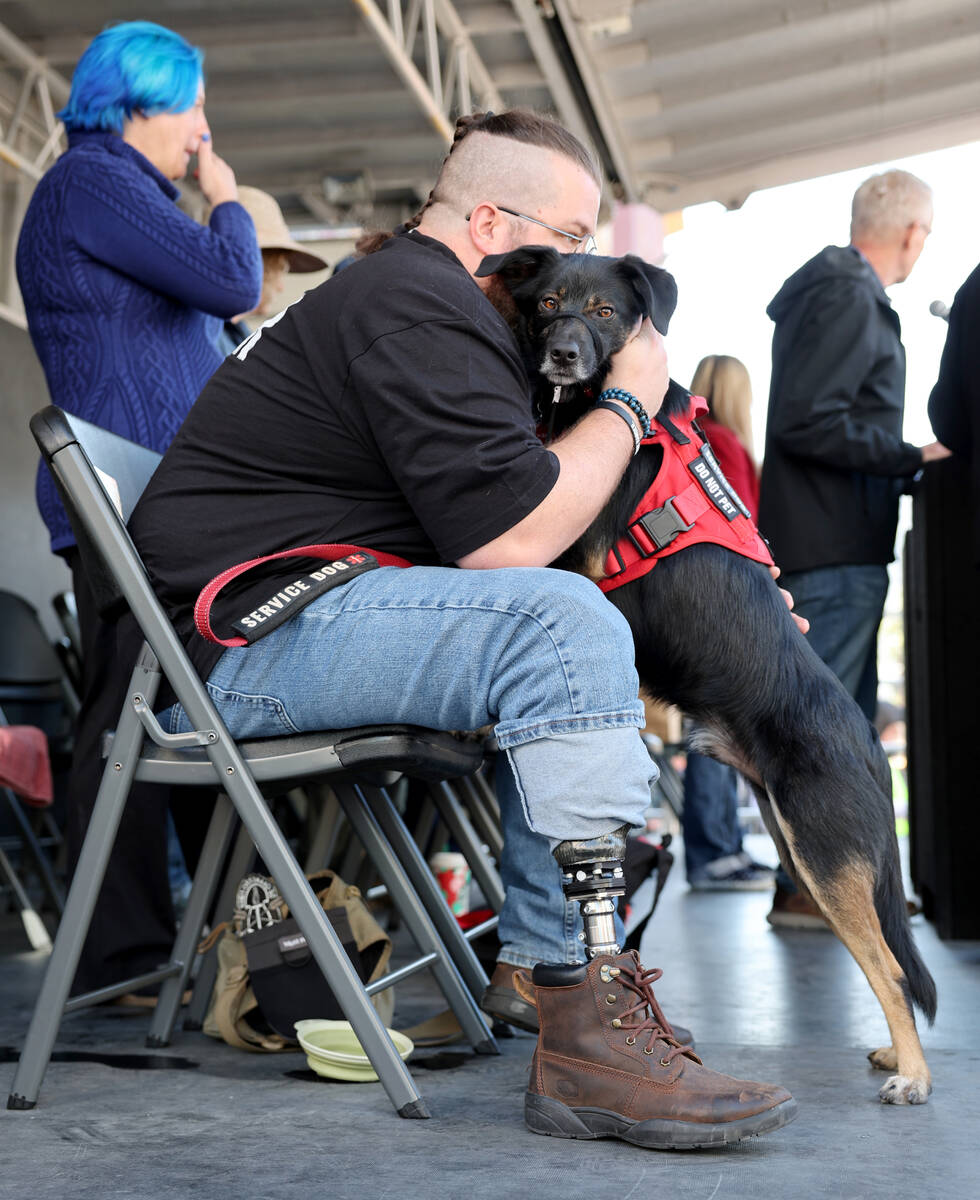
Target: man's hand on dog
(802, 623)
(641, 368)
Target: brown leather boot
(503, 1002)
(606, 1067)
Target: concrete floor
(788, 1007)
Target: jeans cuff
(518, 958)
(517, 733)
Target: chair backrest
(120, 470)
(34, 686)
(128, 465)
(112, 563)
(26, 655)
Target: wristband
(631, 403)
(608, 404)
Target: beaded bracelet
(632, 403)
(621, 412)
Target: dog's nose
(563, 355)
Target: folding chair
(34, 690)
(69, 646)
(100, 476)
(34, 927)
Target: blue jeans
(540, 654)
(844, 605)
(710, 817)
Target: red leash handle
(202, 606)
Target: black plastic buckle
(661, 525)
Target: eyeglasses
(584, 243)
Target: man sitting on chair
(389, 409)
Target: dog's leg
(847, 901)
(772, 828)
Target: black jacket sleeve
(954, 405)
(818, 415)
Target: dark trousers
(844, 606)
(132, 927)
(710, 815)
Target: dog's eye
(549, 303)
(606, 311)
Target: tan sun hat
(273, 233)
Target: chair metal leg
(37, 935)
(50, 1006)
(427, 890)
(353, 860)
(51, 826)
(482, 785)
(325, 833)
(29, 838)
(421, 926)
(425, 823)
(487, 826)
(213, 854)
(462, 830)
(242, 857)
(322, 940)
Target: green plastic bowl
(333, 1051)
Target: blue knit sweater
(125, 295)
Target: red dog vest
(690, 501)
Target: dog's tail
(892, 910)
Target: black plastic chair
(100, 476)
(34, 690)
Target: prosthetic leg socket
(592, 874)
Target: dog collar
(690, 501)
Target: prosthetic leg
(607, 1062)
(592, 874)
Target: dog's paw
(884, 1058)
(902, 1090)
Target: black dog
(714, 637)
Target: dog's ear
(655, 287)
(518, 265)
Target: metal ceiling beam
(30, 140)
(544, 52)
(336, 25)
(396, 142)
(453, 68)
(732, 187)
(686, 29)
(729, 149)
(262, 91)
(849, 88)
(825, 41)
(581, 43)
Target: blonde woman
(714, 858)
(724, 382)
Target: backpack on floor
(267, 977)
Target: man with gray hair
(835, 461)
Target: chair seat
(378, 754)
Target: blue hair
(133, 67)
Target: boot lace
(654, 1022)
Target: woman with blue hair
(125, 295)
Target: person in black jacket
(835, 461)
(954, 405)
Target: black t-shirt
(388, 408)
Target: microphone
(939, 309)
